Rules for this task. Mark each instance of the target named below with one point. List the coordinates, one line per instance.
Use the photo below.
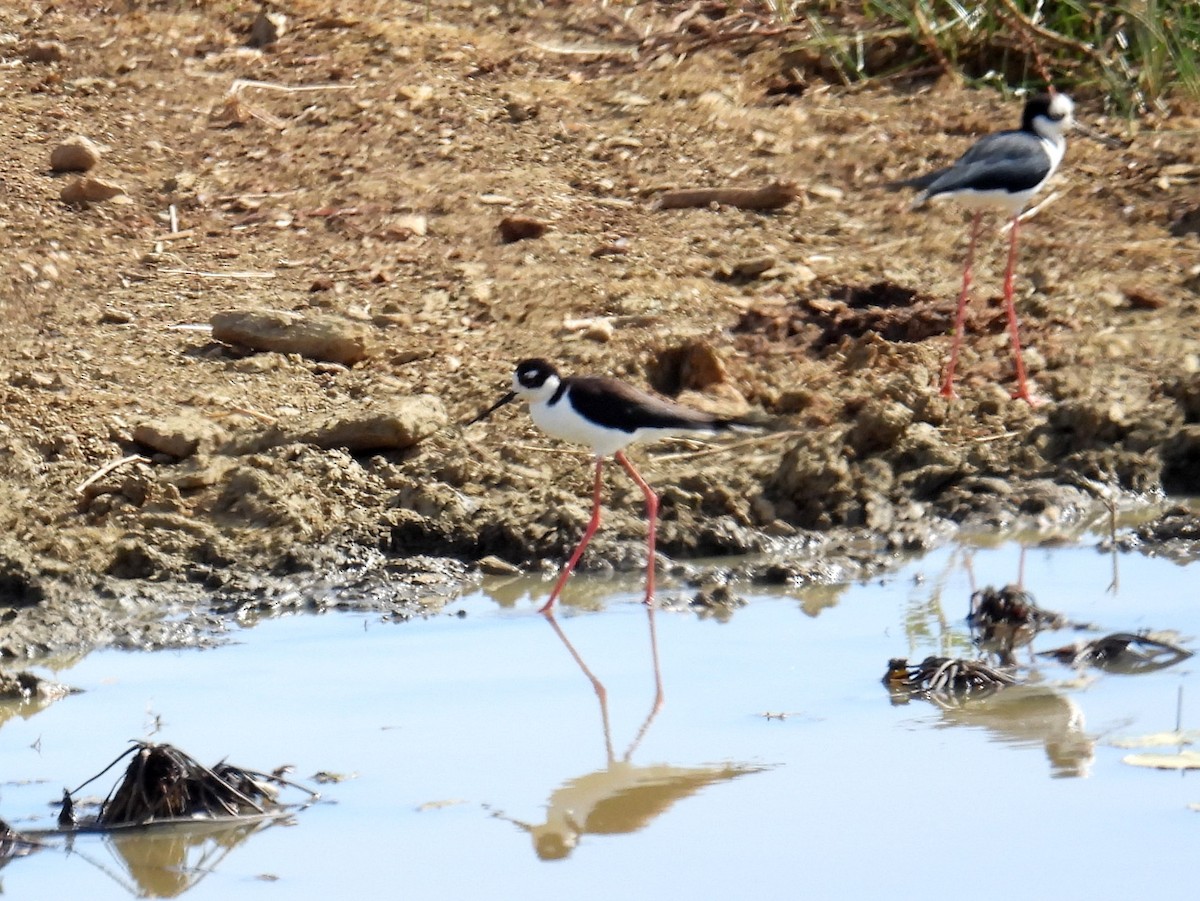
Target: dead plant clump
(1123, 652)
(943, 679)
(164, 785)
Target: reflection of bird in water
(622, 797)
(1029, 715)
(593, 593)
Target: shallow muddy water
(773, 763)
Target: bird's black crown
(1042, 105)
(534, 373)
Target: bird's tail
(920, 182)
(752, 423)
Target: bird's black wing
(616, 405)
(1007, 160)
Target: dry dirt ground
(356, 172)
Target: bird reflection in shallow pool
(622, 796)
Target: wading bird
(1000, 171)
(606, 415)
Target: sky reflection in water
(499, 754)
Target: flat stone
(90, 190)
(317, 337)
(178, 436)
(396, 425)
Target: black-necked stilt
(1000, 171)
(607, 415)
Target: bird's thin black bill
(492, 409)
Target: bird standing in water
(606, 415)
(1000, 171)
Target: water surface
(772, 763)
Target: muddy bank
(231, 388)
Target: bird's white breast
(561, 421)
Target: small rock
(397, 426)
(75, 154)
(600, 331)
(521, 107)
(1140, 298)
(178, 436)
(613, 248)
(90, 190)
(267, 28)
(317, 337)
(494, 566)
(717, 598)
(693, 366)
(199, 471)
(134, 559)
(744, 270)
(407, 226)
(827, 192)
(44, 52)
(520, 228)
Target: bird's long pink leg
(592, 525)
(960, 314)
(1022, 391)
(651, 516)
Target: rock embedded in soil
(75, 154)
(179, 436)
(44, 52)
(393, 425)
(491, 565)
(319, 337)
(520, 228)
(90, 190)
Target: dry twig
(724, 448)
(107, 468)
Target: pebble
(75, 154)
(492, 565)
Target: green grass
(1140, 53)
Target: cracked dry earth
(349, 181)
